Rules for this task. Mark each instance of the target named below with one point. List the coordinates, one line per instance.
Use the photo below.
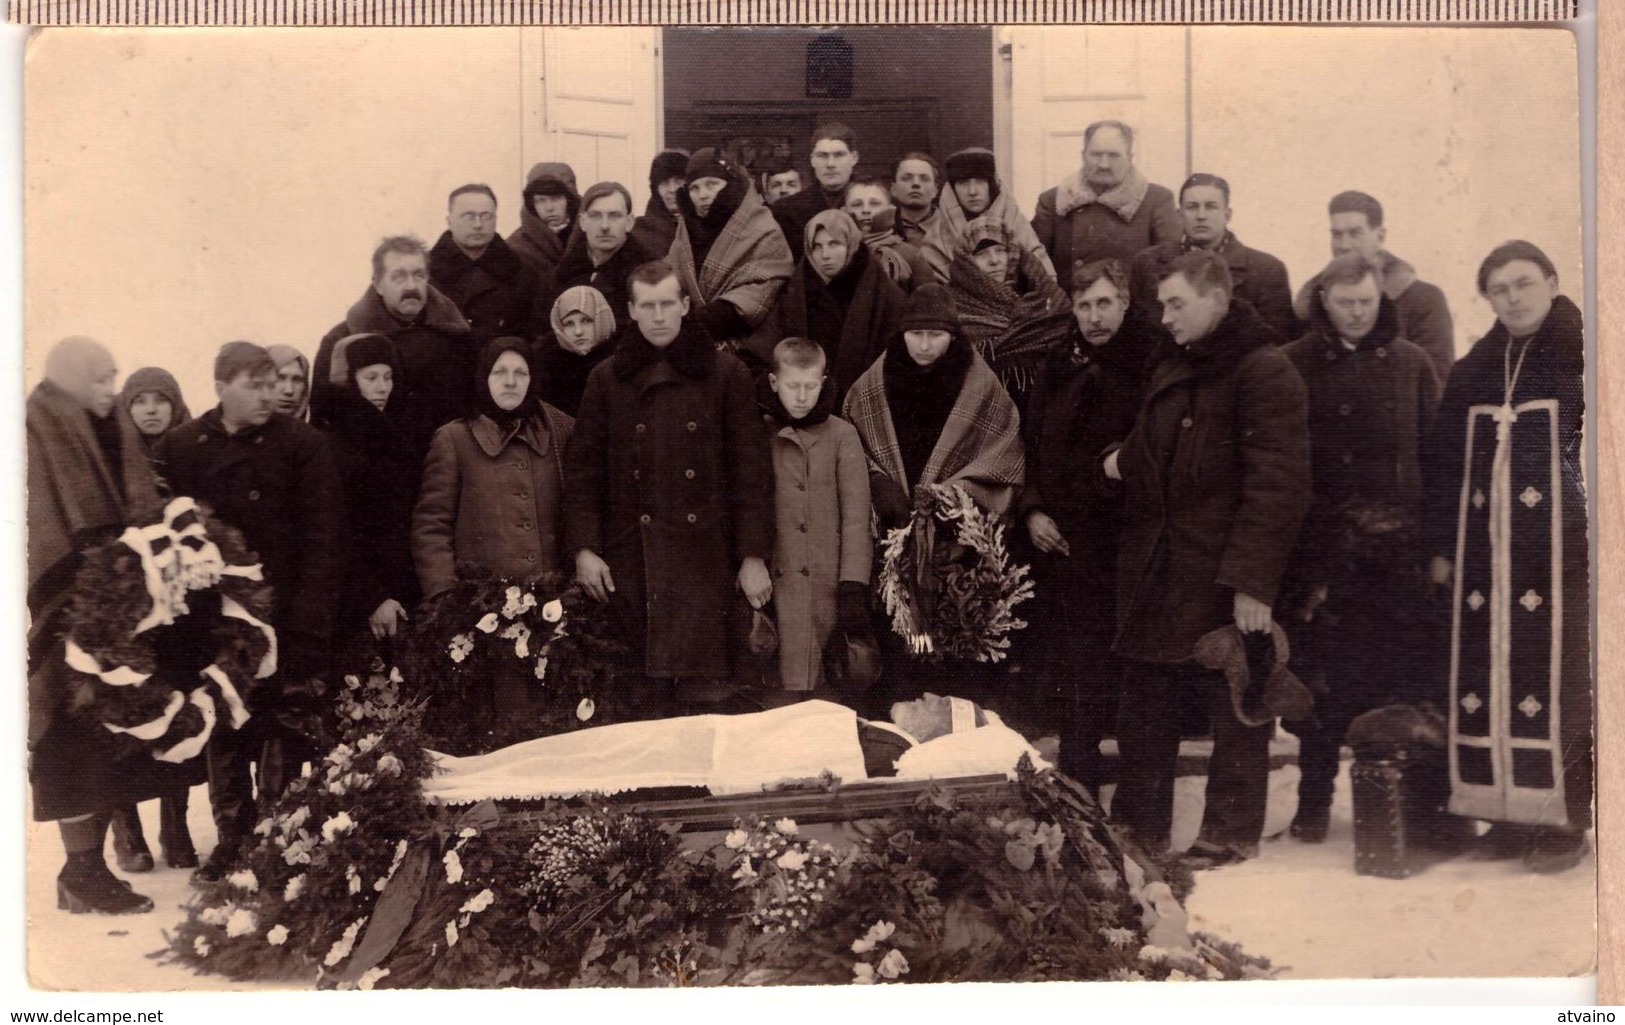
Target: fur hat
(354, 352)
(971, 163)
(708, 163)
(931, 308)
(1261, 686)
(670, 163)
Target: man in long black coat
(1353, 604)
(273, 478)
(1084, 400)
(668, 486)
(1216, 481)
(471, 265)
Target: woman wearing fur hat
(583, 333)
(973, 191)
(546, 215)
(654, 231)
(729, 253)
(840, 298)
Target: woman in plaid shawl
(730, 254)
(1010, 309)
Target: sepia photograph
(653, 507)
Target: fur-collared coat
(1077, 226)
(1215, 482)
(668, 478)
(498, 294)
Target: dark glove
(892, 505)
(852, 609)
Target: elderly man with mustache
(433, 340)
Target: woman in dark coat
(88, 478)
(840, 297)
(152, 399)
(539, 243)
(1084, 400)
(1506, 526)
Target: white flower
(1153, 953)
(370, 977)
(264, 828)
(893, 964)
(1178, 976)
(337, 789)
(454, 867)
(355, 880)
(553, 611)
(736, 839)
(241, 923)
(541, 668)
(337, 826)
(792, 860)
(585, 710)
(510, 604)
(514, 631)
(745, 871)
(277, 936)
(863, 974)
(488, 623)
(477, 903)
(460, 647)
(521, 647)
(1118, 937)
(300, 816)
(344, 944)
(389, 766)
(201, 945)
(298, 853)
(451, 934)
(215, 916)
(877, 932)
(245, 880)
(367, 743)
(352, 681)
(467, 833)
(382, 882)
(395, 675)
(786, 826)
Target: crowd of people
(719, 407)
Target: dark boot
(85, 885)
(174, 836)
(129, 841)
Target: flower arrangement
(785, 875)
(499, 662)
(167, 631)
(955, 597)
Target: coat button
(637, 474)
(689, 474)
(778, 572)
(801, 487)
(1186, 423)
(1345, 409)
(254, 496)
(527, 525)
(693, 426)
(531, 557)
(802, 528)
(692, 518)
(640, 428)
(805, 572)
(524, 494)
(1330, 355)
(1348, 457)
(521, 464)
(1382, 352)
(644, 519)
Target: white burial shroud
(726, 754)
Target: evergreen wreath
(550, 632)
(953, 597)
(167, 631)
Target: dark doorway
(759, 93)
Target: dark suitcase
(1401, 825)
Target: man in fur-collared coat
(1216, 481)
(668, 486)
(1105, 210)
(471, 265)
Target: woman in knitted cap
(547, 212)
(379, 466)
(583, 326)
(729, 253)
(658, 225)
(840, 298)
(1010, 309)
(152, 399)
(292, 394)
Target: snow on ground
(1300, 905)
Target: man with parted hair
(834, 158)
(1357, 226)
(601, 251)
(435, 345)
(1215, 481)
(1259, 278)
(917, 182)
(473, 267)
(1106, 209)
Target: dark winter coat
(654, 231)
(278, 484)
(492, 500)
(576, 268)
(1074, 231)
(1369, 411)
(498, 294)
(1258, 277)
(563, 374)
(1216, 481)
(1424, 314)
(433, 381)
(793, 213)
(539, 246)
(379, 468)
(668, 478)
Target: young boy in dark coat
(668, 492)
(1352, 602)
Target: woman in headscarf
(88, 478)
(379, 468)
(152, 399)
(729, 253)
(1505, 522)
(1010, 308)
(292, 394)
(583, 329)
(840, 297)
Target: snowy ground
(1301, 906)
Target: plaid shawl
(980, 446)
(748, 263)
(1012, 331)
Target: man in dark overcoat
(433, 342)
(273, 478)
(668, 487)
(1216, 480)
(1352, 607)
(496, 291)
(834, 157)
(1084, 400)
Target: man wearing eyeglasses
(473, 267)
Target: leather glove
(892, 506)
(852, 609)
